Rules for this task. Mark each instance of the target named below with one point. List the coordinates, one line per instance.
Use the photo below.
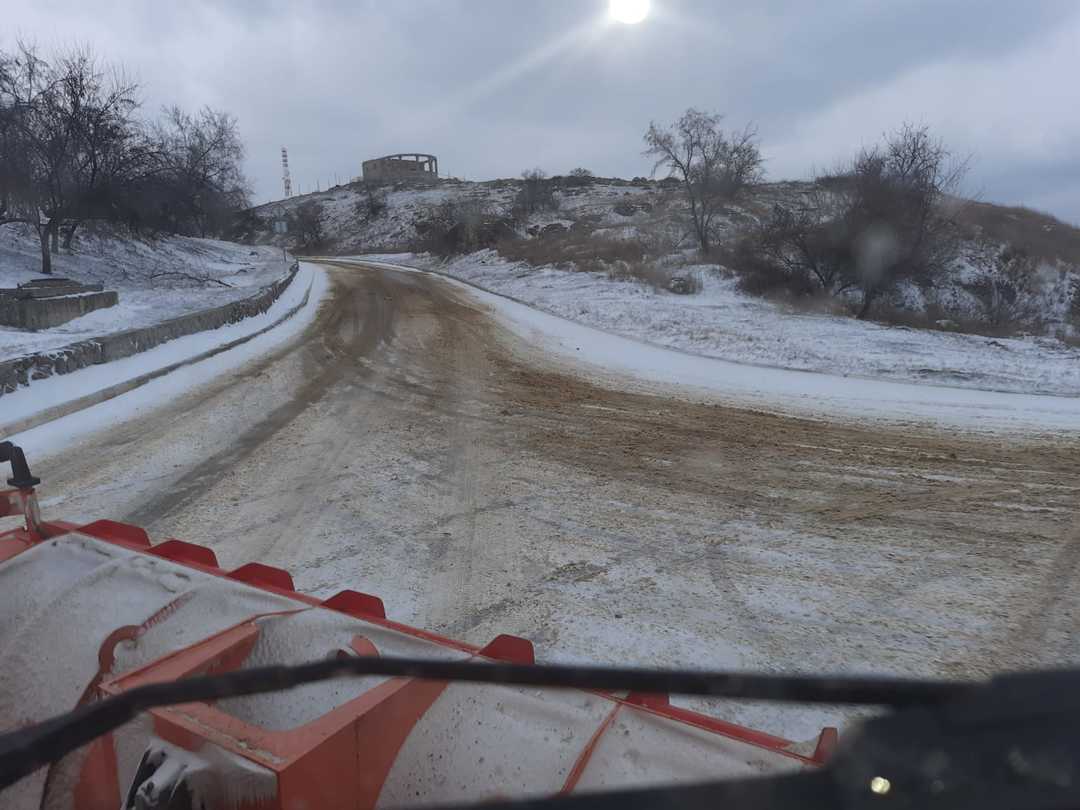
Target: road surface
(408, 446)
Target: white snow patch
(64, 388)
(803, 392)
(156, 279)
(724, 323)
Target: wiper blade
(949, 744)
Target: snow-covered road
(608, 357)
(721, 322)
(184, 363)
(411, 444)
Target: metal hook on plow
(22, 498)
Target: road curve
(402, 446)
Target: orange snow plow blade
(95, 611)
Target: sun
(630, 12)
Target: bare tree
(36, 145)
(104, 145)
(71, 150)
(371, 203)
(580, 177)
(461, 225)
(880, 220)
(245, 227)
(895, 212)
(64, 131)
(11, 158)
(307, 223)
(712, 167)
(536, 194)
(801, 249)
(199, 183)
(1074, 302)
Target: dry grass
(581, 250)
(658, 276)
(1040, 235)
(576, 249)
(938, 319)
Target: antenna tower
(285, 172)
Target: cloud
(1016, 116)
(494, 87)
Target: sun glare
(629, 12)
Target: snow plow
(120, 613)
(140, 675)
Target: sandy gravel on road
(408, 447)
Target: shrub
(246, 227)
(579, 177)
(537, 193)
(683, 283)
(657, 276)
(761, 273)
(881, 222)
(894, 214)
(461, 226)
(579, 249)
(1007, 288)
(372, 203)
(306, 223)
(574, 248)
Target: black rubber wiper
(1007, 743)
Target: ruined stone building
(404, 167)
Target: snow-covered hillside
(722, 322)
(607, 254)
(157, 279)
(350, 228)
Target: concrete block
(18, 372)
(43, 313)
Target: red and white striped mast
(285, 172)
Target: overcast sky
(497, 86)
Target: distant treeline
(74, 147)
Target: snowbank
(157, 280)
(305, 293)
(721, 322)
(771, 388)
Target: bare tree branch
(714, 169)
(200, 279)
